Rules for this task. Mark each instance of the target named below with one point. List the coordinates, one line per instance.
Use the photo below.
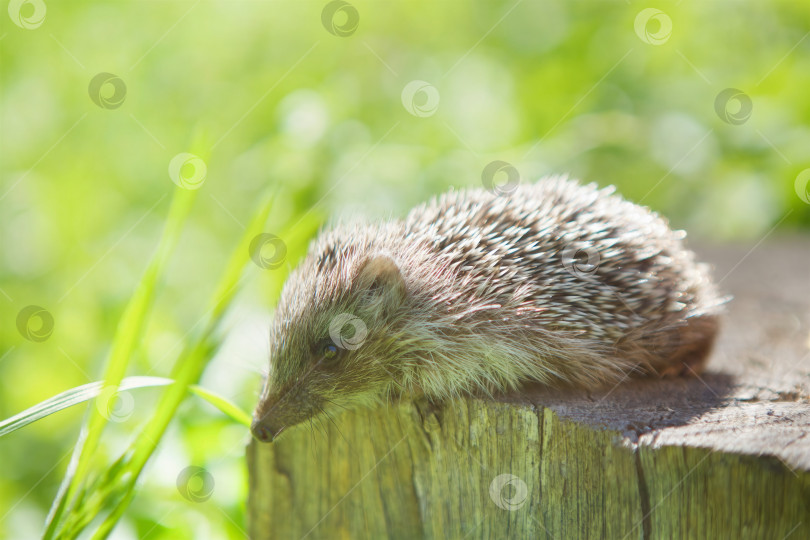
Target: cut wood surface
(723, 455)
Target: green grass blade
(128, 333)
(187, 369)
(71, 397)
(88, 391)
(227, 407)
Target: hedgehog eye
(329, 352)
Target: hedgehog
(481, 291)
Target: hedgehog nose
(263, 432)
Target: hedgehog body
(476, 291)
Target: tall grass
(83, 496)
(98, 494)
(74, 488)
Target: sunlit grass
(129, 331)
(91, 489)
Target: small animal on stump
(477, 291)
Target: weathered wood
(726, 455)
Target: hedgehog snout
(267, 426)
(264, 431)
(278, 411)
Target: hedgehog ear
(380, 281)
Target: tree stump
(725, 455)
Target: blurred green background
(318, 99)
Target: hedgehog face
(330, 354)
